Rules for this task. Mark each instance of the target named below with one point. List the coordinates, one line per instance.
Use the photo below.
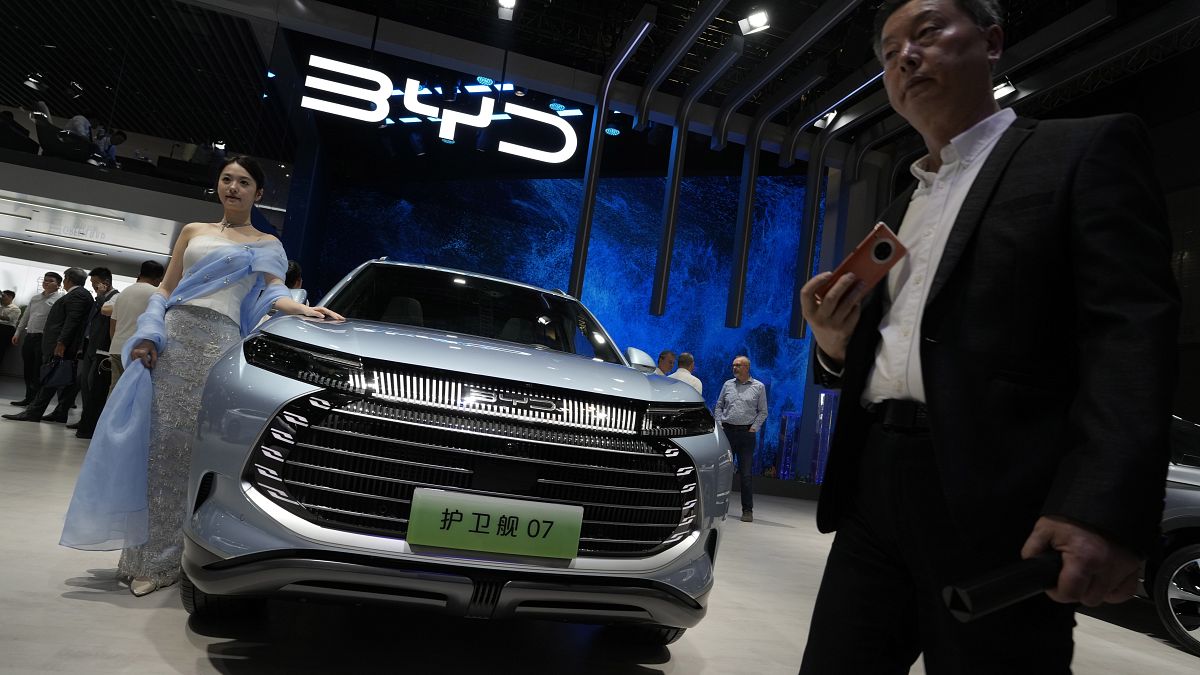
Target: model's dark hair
(251, 167)
(152, 269)
(76, 275)
(293, 273)
(11, 294)
(104, 273)
(985, 14)
(54, 275)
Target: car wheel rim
(1183, 595)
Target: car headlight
(692, 420)
(304, 363)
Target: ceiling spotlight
(484, 80)
(1003, 90)
(448, 141)
(35, 82)
(505, 11)
(825, 119)
(612, 130)
(520, 91)
(557, 105)
(270, 75)
(757, 21)
(75, 89)
(219, 145)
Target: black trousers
(742, 442)
(31, 360)
(6, 333)
(94, 374)
(879, 606)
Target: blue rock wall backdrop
(525, 230)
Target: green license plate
(479, 523)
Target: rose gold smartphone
(870, 260)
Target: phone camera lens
(882, 251)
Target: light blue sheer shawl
(108, 508)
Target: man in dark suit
(1006, 390)
(63, 338)
(93, 368)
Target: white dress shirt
(926, 227)
(685, 375)
(34, 318)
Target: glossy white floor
(61, 610)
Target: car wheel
(650, 634)
(1177, 596)
(204, 606)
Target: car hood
(481, 356)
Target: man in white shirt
(124, 311)
(10, 315)
(1006, 392)
(29, 333)
(687, 367)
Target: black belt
(900, 415)
(730, 425)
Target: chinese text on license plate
(479, 523)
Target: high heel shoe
(142, 586)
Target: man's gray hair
(985, 14)
(77, 275)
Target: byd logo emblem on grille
(514, 401)
(450, 119)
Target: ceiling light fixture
(1004, 89)
(484, 80)
(755, 22)
(34, 82)
(825, 120)
(557, 105)
(505, 11)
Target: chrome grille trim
(386, 418)
(547, 481)
(382, 458)
(326, 488)
(396, 441)
(446, 393)
(330, 509)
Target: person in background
(741, 410)
(295, 283)
(686, 372)
(63, 339)
(93, 368)
(1006, 391)
(10, 315)
(124, 311)
(666, 362)
(29, 334)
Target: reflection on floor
(62, 610)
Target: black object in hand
(1003, 587)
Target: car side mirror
(640, 360)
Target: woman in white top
(199, 331)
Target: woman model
(222, 279)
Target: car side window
(1185, 442)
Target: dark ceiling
(179, 71)
(157, 67)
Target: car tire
(1176, 583)
(209, 607)
(650, 634)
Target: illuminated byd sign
(450, 119)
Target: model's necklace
(225, 223)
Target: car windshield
(459, 304)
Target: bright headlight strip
(301, 363)
(676, 421)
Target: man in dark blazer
(63, 338)
(1006, 390)
(93, 367)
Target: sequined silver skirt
(196, 338)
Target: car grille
(352, 462)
